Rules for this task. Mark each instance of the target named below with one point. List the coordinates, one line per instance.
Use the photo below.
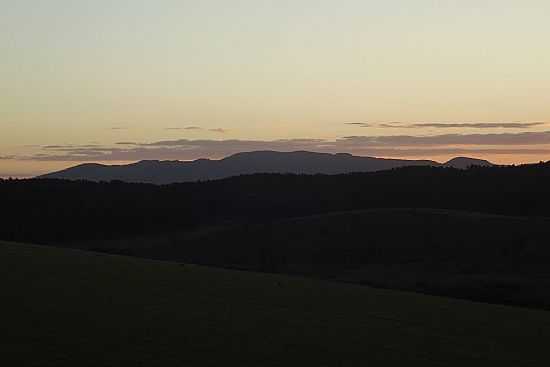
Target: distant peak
(466, 162)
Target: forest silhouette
(479, 233)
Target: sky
(122, 80)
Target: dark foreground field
(70, 308)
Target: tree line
(57, 211)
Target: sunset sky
(124, 80)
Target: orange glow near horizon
(83, 74)
(29, 169)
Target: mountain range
(167, 172)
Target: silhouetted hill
(497, 259)
(465, 162)
(166, 172)
(46, 211)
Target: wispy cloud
(525, 143)
(187, 128)
(358, 124)
(69, 147)
(523, 138)
(197, 128)
(467, 125)
(53, 147)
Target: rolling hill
(71, 308)
(489, 258)
(166, 172)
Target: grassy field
(478, 257)
(70, 308)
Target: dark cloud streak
(388, 145)
(359, 124)
(462, 125)
(523, 138)
(187, 128)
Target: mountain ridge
(299, 162)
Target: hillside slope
(480, 257)
(57, 211)
(71, 308)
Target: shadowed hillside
(483, 233)
(55, 211)
(71, 308)
(487, 258)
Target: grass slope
(70, 308)
(479, 257)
